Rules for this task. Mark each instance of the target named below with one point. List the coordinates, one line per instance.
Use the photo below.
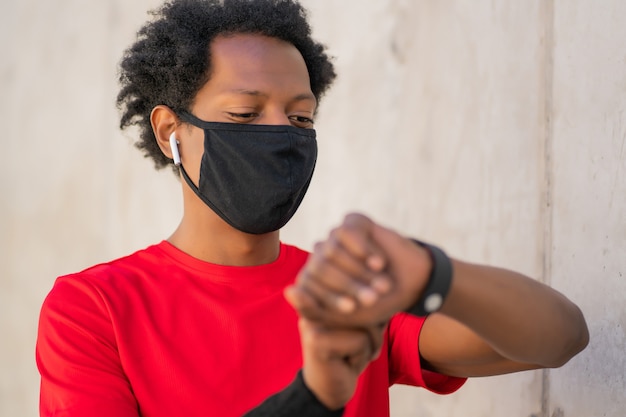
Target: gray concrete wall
(497, 129)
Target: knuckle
(342, 235)
(350, 218)
(312, 268)
(338, 234)
(355, 288)
(329, 251)
(318, 248)
(353, 219)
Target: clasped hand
(350, 287)
(360, 276)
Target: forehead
(251, 61)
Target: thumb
(303, 303)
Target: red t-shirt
(162, 334)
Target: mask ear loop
(174, 148)
(176, 157)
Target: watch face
(433, 302)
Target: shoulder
(120, 271)
(90, 285)
(138, 263)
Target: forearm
(492, 321)
(521, 319)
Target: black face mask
(253, 176)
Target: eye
(302, 121)
(242, 117)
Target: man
(198, 324)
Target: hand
(361, 275)
(334, 359)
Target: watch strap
(439, 282)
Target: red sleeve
(77, 356)
(404, 359)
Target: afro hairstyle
(170, 60)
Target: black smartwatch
(438, 284)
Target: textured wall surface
(588, 239)
(496, 129)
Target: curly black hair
(170, 60)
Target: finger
(332, 252)
(326, 297)
(315, 302)
(354, 235)
(345, 276)
(304, 303)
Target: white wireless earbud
(174, 148)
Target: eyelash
(247, 116)
(242, 115)
(303, 119)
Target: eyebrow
(256, 93)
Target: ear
(164, 122)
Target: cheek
(191, 149)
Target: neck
(205, 236)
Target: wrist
(330, 400)
(438, 284)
